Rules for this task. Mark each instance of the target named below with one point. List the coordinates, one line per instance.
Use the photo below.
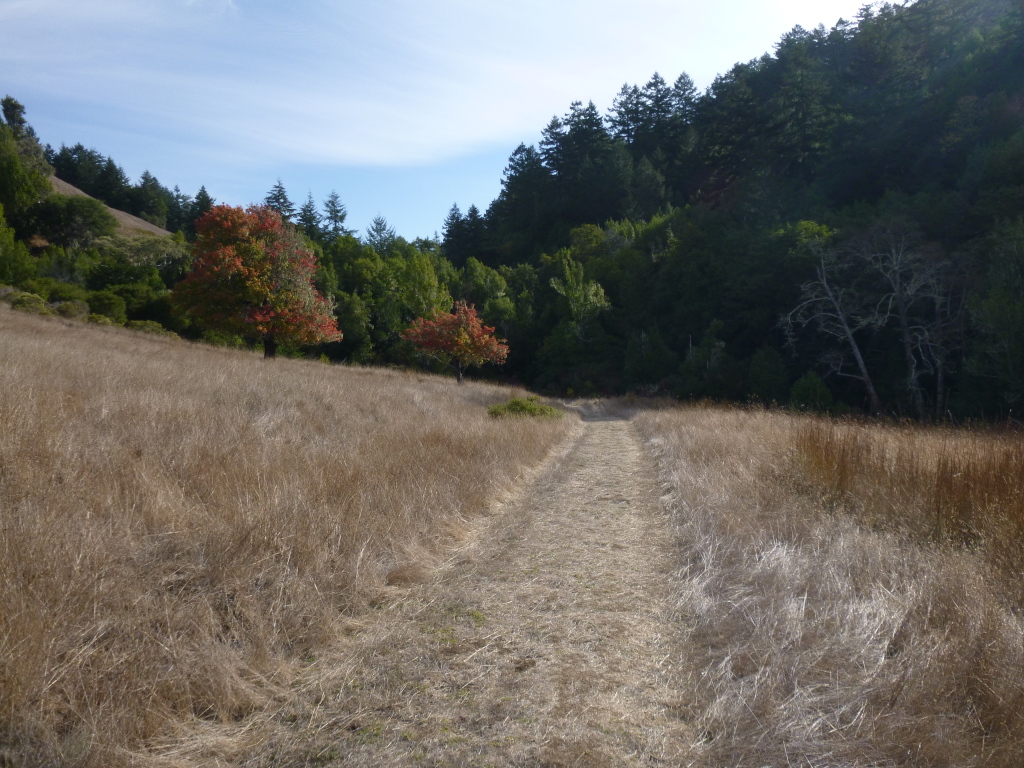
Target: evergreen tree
(656, 110)
(277, 199)
(626, 114)
(22, 184)
(112, 186)
(684, 99)
(334, 218)
(454, 237)
(14, 117)
(201, 205)
(474, 232)
(77, 165)
(310, 220)
(178, 211)
(380, 236)
(150, 200)
(523, 211)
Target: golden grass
(182, 526)
(956, 487)
(819, 640)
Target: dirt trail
(544, 643)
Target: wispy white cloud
(394, 82)
(263, 84)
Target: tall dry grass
(181, 525)
(817, 640)
(963, 488)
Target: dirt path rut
(544, 643)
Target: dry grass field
(850, 595)
(183, 527)
(211, 559)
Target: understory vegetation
(524, 406)
(184, 525)
(850, 594)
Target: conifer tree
(14, 117)
(200, 206)
(453, 236)
(334, 217)
(380, 236)
(625, 116)
(310, 220)
(277, 199)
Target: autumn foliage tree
(253, 276)
(459, 338)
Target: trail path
(544, 643)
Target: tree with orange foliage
(458, 338)
(253, 276)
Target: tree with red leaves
(253, 276)
(458, 338)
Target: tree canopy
(459, 338)
(252, 276)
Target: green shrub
(67, 292)
(110, 304)
(73, 310)
(100, 319)
(30, 302)
(149, 326)
(40, 286)
(810, 393)
(524, 406)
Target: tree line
(835, 225)
(838, 222)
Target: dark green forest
(837, 225)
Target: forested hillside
(837, 225)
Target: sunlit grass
(848, 594)
(182, 525)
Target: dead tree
(836, 308)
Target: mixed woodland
(837, 225)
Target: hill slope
(128, 225)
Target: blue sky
(402, 107)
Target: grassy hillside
(183, 526)
(128, 225)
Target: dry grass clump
(816, 640)
(180, 526)
(964, 488)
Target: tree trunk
(840, 313)
(913, 375)
(874, 403)
(269, 346)
(458, 372)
